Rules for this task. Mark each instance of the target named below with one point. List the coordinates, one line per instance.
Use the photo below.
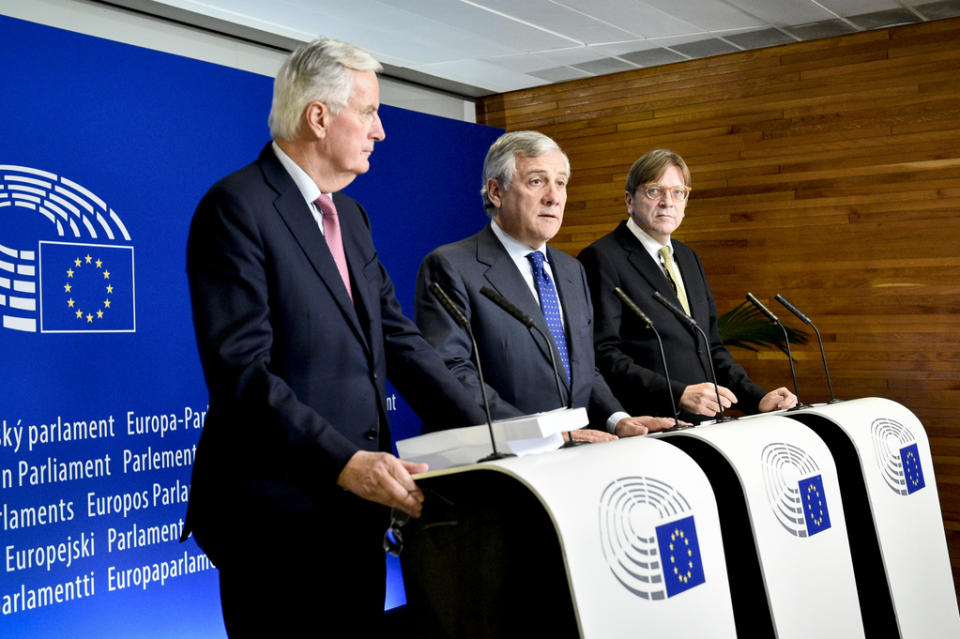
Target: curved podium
(784, 531)
(620, 539)
(896, 529)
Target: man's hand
(779, 399)
(591, 435)
(384, 479)
(632, 426)
(701, 399)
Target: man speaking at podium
(640, 258)
(525, 176)
(298, 327)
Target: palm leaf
(746, 327)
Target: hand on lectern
(590, 435)
(384, 479)
(779, 399)
(701, 399)
(634, 426)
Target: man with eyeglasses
(639, 257)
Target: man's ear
(629, 201)
(316, 118)
(494, 194)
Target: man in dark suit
(640, 258)
(524, 190)
(298, 328)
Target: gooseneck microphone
(529, 322)
(629, 303)
(776, 320)
(461, 320)
(806, 320)
(689, 321)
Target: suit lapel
(692, 282)
(644, 264)
(502, 276)
(295, 213)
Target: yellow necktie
(674, 277)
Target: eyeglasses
(654, 191)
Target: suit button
(371, 434)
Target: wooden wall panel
(828, 171)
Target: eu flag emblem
(912, 472)
(815, 510)
(86, 288)
(680, 555)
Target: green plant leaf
(746, 327)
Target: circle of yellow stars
(674, 537)
(87, 315)
(813, 493)
(912, 475)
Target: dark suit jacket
(515, 360)
(627, 353)
(295, 370)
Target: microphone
(776, 320)
(806, 320)
(461, 320)
(529, 322)
(689, 321)
(629, 303)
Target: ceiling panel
(476, 47)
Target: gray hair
(501, 161)
(316, 71)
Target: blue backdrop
(106, 149)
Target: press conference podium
(783, 523)
(893, 512)
(619, 539)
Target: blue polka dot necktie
(550, 305)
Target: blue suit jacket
(627, 353)
(515, 360)
(295, 369)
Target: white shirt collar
(305, 184)
(649, 243)
(515, 248)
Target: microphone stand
(629, 303)
(823, 356)
(529, 322)
(689, 321)
(460, 319)
(776, 320)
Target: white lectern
(896, 529)
(784, 532)
(620, 539)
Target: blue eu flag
(86, 288)
(912, 472)
(680, 555)
(814, 499)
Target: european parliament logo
(795, 490)
(649, 538)
(898, 456)
(80, 282)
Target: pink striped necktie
(331, 232)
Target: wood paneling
(828, 171)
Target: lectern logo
(795, 489)
(898, 456)
(74, 272)
(649, 538)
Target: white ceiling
(478, 47)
